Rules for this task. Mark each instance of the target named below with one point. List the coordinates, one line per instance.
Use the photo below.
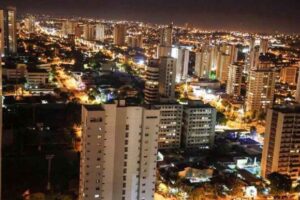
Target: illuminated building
(152, 82)
(135, 41)
(233, 85)
(222, 67)
(182, 65)
(288, 75)
(119, 34)
(199, 121)
(89, 32)
(264, 46)
(100, 32)
(68, 27)
(206, 61)
(119, 152)
(167, 75)
(297, 95)
(260, 91)
(29, 24)
(281, 150)
(8, 25)
(1, 33)
(170, 125)
(166, 40)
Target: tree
(279, 183)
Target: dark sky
(244, 15)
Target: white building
(100, 32)
(37, 77)
(182, 65)
(119, 152)
(152, 82)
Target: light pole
(49, 158)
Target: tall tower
(234, 81)
(119, 152)
(119, 34)
(182, 65)
(10, 30)
(260, 91)
(89, 32)
(2, 45)
(100, 32)
(264, 46)
(167, 76)
(152, 82)
(297, 96)
(166, 41)
(281, 151)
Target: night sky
(244, 15)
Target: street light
(49, 158)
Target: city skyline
(249, 15)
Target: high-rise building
(281, 150)
(100, 32)
(1, 113)
(29, 23)
(222, 67)
(152, 82)
(170, 125)
(135, 41)
(264, 46)
(119, 34)
(254, 58)
(233, 85)
(119, 152)
(297, 94)
(1, 33)
(182, 65)
(206, 61)
(68, 27)
(8, 25)
(166, 37)
(199, 121)
(167, 76)
(288, 75)
(164, 48)
(89, 32)
(260, 91)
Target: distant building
(68, 27)
(261, 88)
(233, 85)
(152, 82)
(288, 75)
(182, 65)
(119, 152)
(119, 34)
(281, 151)
(89, 32)
(14, 72)
(29, 23)
(167, 76)
(36, 77)
(199, 121)
(135, 41)
(297, 95)
(264, 46)
(206, 61)
(222, 67)
(8, 39)
(166, 40)
(100, 32)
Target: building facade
(119, 152)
